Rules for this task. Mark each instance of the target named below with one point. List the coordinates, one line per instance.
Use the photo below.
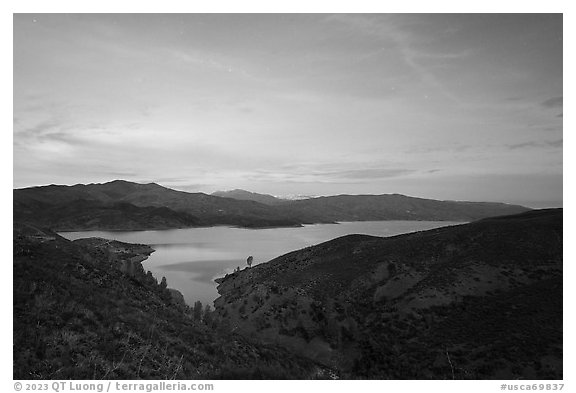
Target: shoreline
(303, 225)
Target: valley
(481, 300)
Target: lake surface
(192, 258)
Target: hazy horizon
(440, 106)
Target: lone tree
(163, 284)
(249, 260)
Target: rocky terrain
(122, 205)
(87, 310)
(474, 301)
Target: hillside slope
(82, 214)
(395, 207)
(87, 310)
(180, 209)
(479, 300)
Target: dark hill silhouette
(475, 301)
(395, 207)
(197, 209)
(151, 206)
(94, 215)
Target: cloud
(554, 102)
(47, 131)
(327, 173)
(556, 143)
(60, 137)
(373, 173)
(38, 129)
(452, 148)
(210, 61)
(58, 131)
(190, 187)
(537, 144)
(390, 29)
(120, 174)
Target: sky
(443, 106)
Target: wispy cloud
(120, 175)
(327, 103)
(389, 30)
(452, 148)
(37, 129)
(537, 144)
(60, 131)
(554, 102)
(326, 173)
(374, 173)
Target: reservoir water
(192, 258)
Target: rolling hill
(87, 310)
(481, 300)
(475, 301)
(94, 215)
(179, 209)
(125, 205)
(394, 207)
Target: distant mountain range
(244, 195)
(123, 205)
(143, 206)
(267, 199)
(475, 301)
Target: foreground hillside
(87, 310)
(475, 301)
(122, 205)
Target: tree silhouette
(207, 317)
(197, 313)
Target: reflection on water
(191, 258)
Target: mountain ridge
(240, 194)
(152, 206)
